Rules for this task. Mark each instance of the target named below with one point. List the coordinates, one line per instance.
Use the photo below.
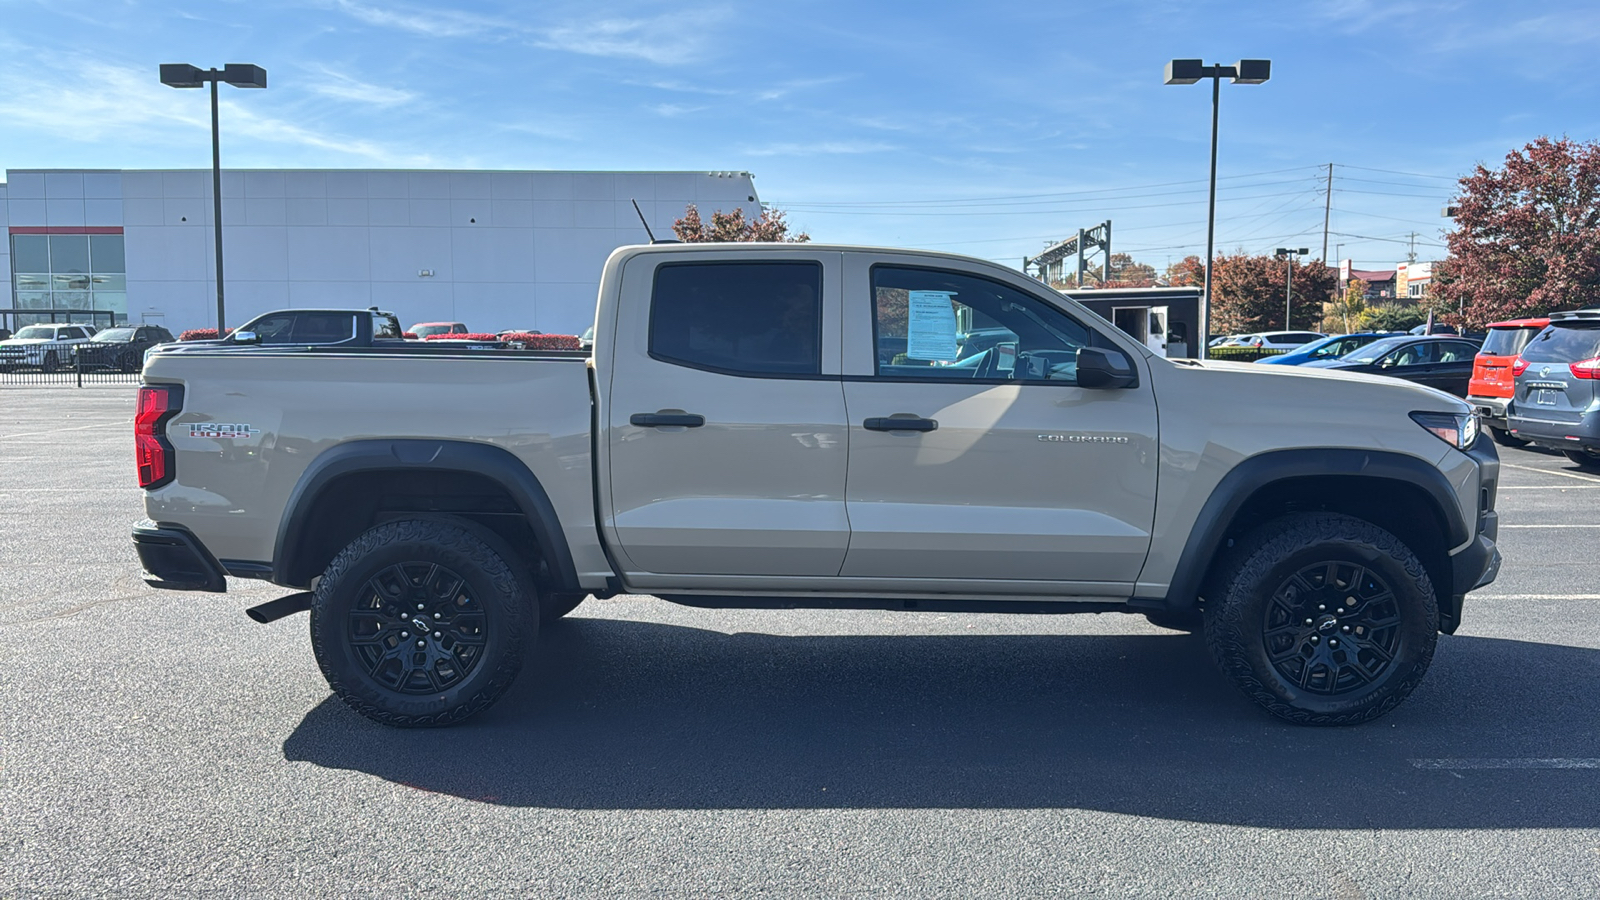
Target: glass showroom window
(70, 272)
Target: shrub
(1243, 354)
(543, 341)
(462, 337)
(409, 335)
(201, 334)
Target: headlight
(1459, 430)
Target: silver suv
(1557, 399)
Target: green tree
(1392, 316)
(1344, 313)
(729, 227)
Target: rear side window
(1507, 341)
(1564, 343)
(762, 318)
(324, 328)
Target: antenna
(642, 220)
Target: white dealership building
(493, 249)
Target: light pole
(1287, 254)
(1189, 71)
(240, 75)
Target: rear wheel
(1323, 619)
(1587, 460)
(1505, 438)
(420, 623)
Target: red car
(1492, 383)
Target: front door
(725, 424)
(996, 467)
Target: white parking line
(7, 437)
(1478, 596)
(1506, 465)
(1548, 526)
(1546, 487)
(1511, 763)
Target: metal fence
(71, 364)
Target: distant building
(496, 250)
(1413, 280)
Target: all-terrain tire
(1586, 460)
(369, 596)
(1505, 438)
(1275, 631)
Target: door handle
(666, 420)
(889, 423)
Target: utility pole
(1327, 206)
(1411, 255)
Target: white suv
(44, 347)
(1275, 340)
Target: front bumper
(176, 560)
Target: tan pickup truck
(816, 426)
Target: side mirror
(1101, 369)
(246, 337)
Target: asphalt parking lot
(162, 743)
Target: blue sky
(987, 129)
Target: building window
(69, 273)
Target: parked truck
(796, 426)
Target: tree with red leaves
(728, 227)
(1527, 238)
(1247, 293)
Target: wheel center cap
(1327, 623)
(420, 624)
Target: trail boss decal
(219, 430)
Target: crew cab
(739, 438)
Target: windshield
(36, 333)
(1508, 341)
(423, 331)
(113, 334)
(1372, 352)
(1562, 343)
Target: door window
(933, 325)
(1457, 352)
(1412, 355)
(759, 319)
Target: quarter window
(948, 326)
(761, 319)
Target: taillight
(158, 403)
(1518, 367)
(1587, 369)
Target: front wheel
(1505, 438)
(1323, 619)
(420, 623)
(1587, 460)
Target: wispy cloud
(673, 110)
(340, 86)
(427, 22)
(100, 102)
(817, 148)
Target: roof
(1520, 323)
(1373, 274)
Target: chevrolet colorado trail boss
(796, 426)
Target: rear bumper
(1584, 433)
(1491, 409)
(176, 560)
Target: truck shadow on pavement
(616, 714)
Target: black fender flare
(401, 454)
(1255, 473)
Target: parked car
(304, 327)
(1492, 384)
(120, 349)
(44, 347)
(586, 339)
(1557, 399)
(1438, 362)
(1328, 348)
(423, 329)
(5, 334)
(502, 333)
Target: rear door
(996, 473)
(725, 427)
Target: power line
(957, 200)
(1396, 172)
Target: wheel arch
(297, 551)
(1402, 494)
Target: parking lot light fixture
(1287, 254)
(240, 75)
(1189, 71)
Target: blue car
(1326, 349)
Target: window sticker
(931, 326)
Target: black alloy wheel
(422, 622)
(1322, 618)
(1332, 627)
(417, 628)
(1587, 460)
